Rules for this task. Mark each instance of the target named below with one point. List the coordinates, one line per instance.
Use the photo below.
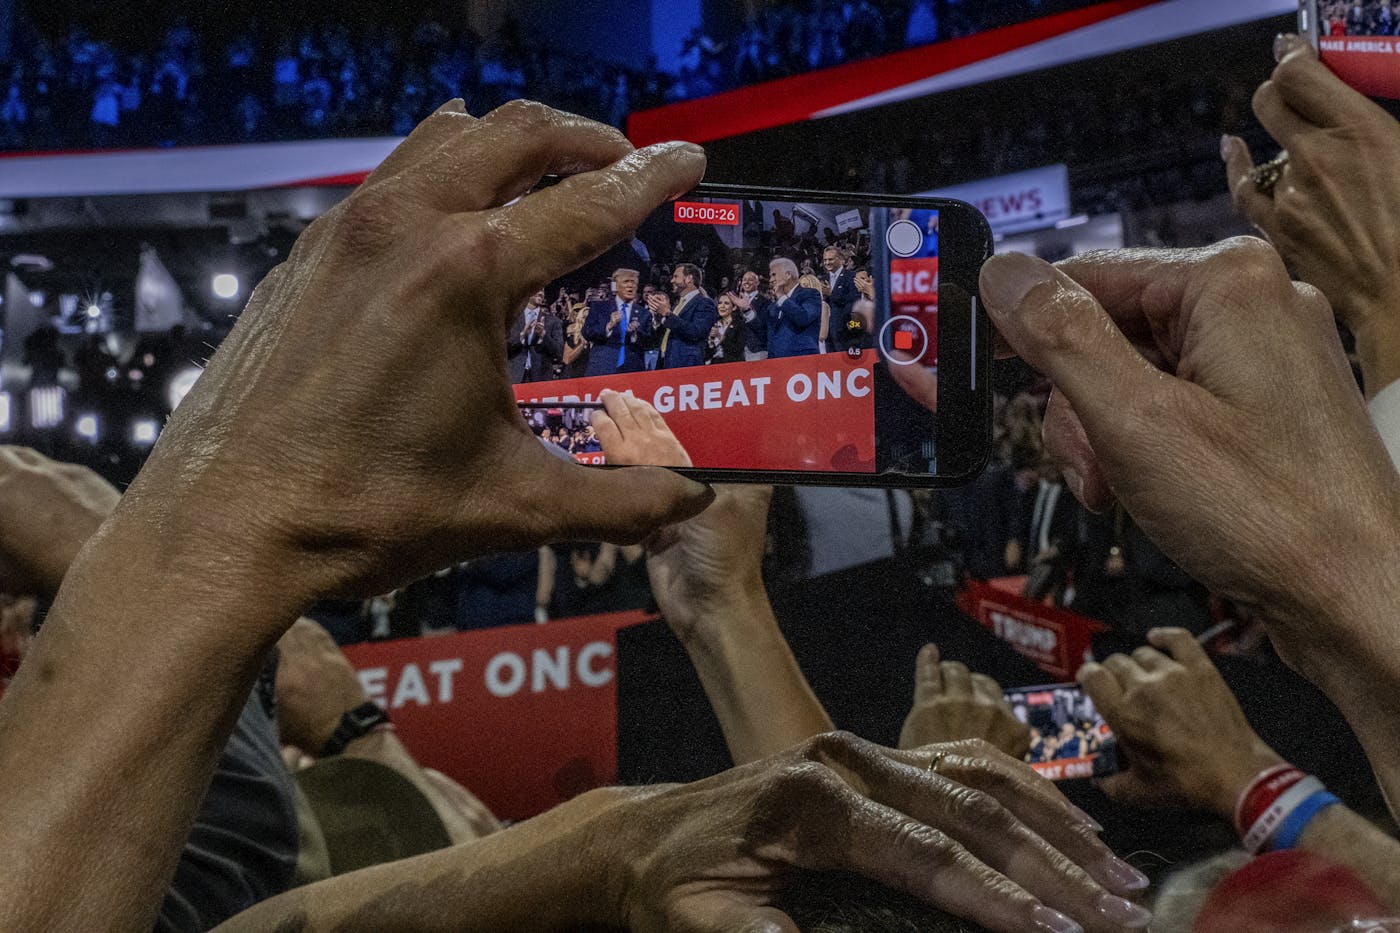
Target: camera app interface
(765, 333)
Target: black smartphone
(1359, 41)
(1069, 739)
(784, 336)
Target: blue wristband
(1291, 829)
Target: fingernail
(455, 105)
(1124, 913)
(1227, 144)
(1052, 921)
(1122, 876)
(1284, 43)
(1075, 482)
(1006, 280)
(1085, 818)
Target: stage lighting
(87, 427)
(180, 386)
(46, 407)
(225, 285)
(4, 413)
(144, 431)
(94, 311)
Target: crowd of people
(792, 38)
(1360, 18)
(331, 80)
(790, 290)
(159, 629)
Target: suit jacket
(541, 354)
(795, 326)
(732, 343)
(602, 358)
(756, 329)
(689, 330)
(843, 296)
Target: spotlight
(4, 413)
(225, 285)
(94, 312)
(180, 386)
(46, 407)
(144, 431)
(87, 427)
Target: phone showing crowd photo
(1069, 739)
(783, 336)
(1357, 39)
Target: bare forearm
(539, 875)
(1343, 837)
(103, 786)
(758, 692)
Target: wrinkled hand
(950, 703)
(1210, 395)
(983, 837)
(48, 510)
(1186, 737)
(1337, 229)
(715, 557)
(316, 685)
(358, 425)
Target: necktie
(622, 347)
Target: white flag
(159, 304)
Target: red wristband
(1262, 792)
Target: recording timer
(703, 212)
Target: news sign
(1017, 203)
(712, 213)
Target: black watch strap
(353, 724)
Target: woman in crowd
(575, 346)
(811, 280)
(727, 337)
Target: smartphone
(1069, 739)
(784, 336)
(1359, 41)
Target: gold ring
(934, 762)
(1266, 175)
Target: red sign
(1066, 768)
(591, 458)
(1371, 64)
(523, 716)
(802, 413)
(1055, 639)
(914, 281)
(705, 212)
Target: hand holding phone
(1186, 738)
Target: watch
(354, 724)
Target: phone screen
(785, 336)
(1069, 739)
(1358, 39)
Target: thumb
(621, 506)
(1058, 327)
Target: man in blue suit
(794, 315)
(685, 327)
(619, 329)
(841, 294)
